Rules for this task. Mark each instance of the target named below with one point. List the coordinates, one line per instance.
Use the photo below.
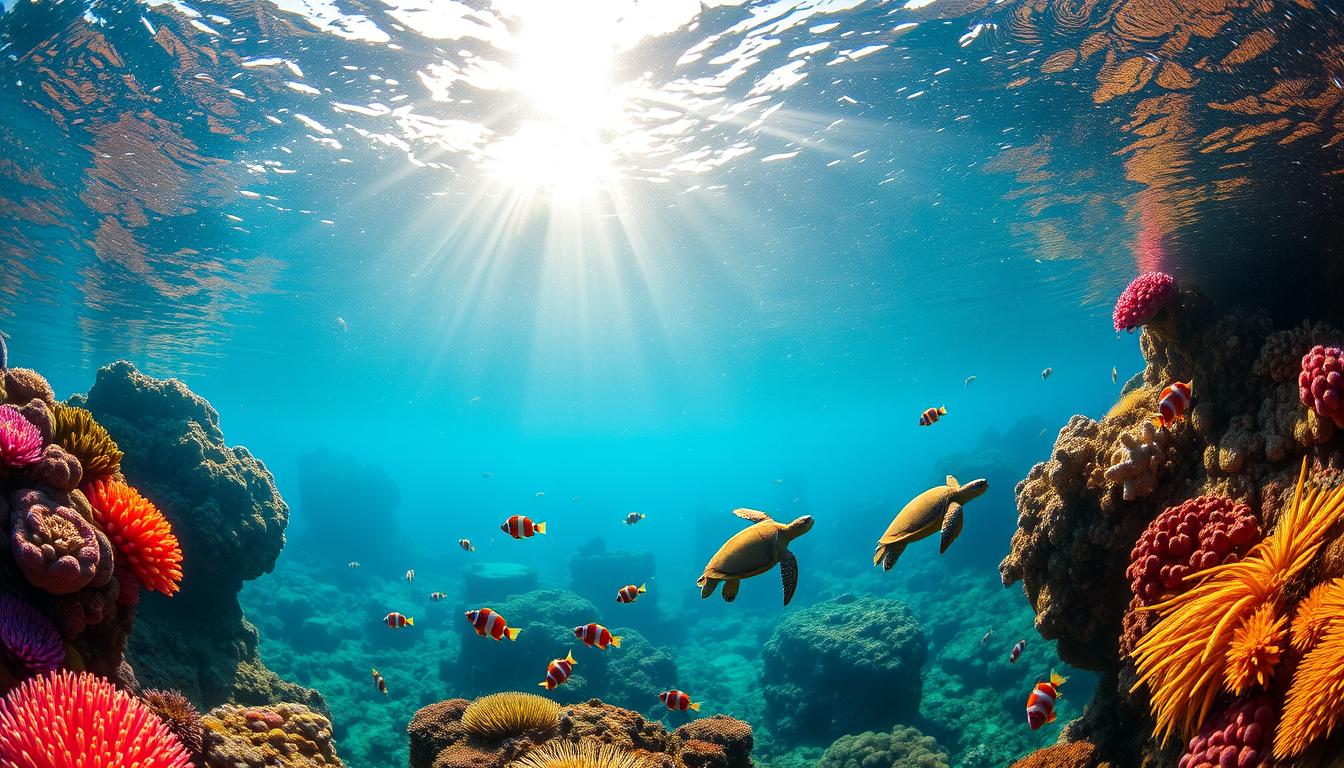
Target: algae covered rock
(902, 747)
(840, 665)
(289, 735)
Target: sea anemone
(1320, 385)
(1315, 699)
(1255, 650)
(79, 434)
(180, 715)
(585, 754)
(1142, 300)
(1183, 659)
(1314, 613)
(140, 533)
(501, 715)
(20, 441)
(64, 719)
(29, 642)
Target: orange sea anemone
(1315, 700)
(140, 532)
(1314, 615)
(1255, 650)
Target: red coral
(1142, 300)
(1199, 533)
(1321, 383)
(1237, 738)
(140, 533)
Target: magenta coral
(1321, 383)
(1198, 533)
(20, 441)
(29, 644)
(57, 549)
(1238, 738)
(1142, 300)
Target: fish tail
(695, 706)
(643, 588)
(616, 641)
(1057, 679)
(512, 633)
(544, 684)
(942, 410)
(539, 527)
(410, 622)
(569, 656)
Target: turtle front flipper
(707, 586)
(730, 589)
(754, 515)
(788, 572)
(951, 525)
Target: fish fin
(643, 588)
(616, 640)
(544, 685)
(539, 528)
(512, 633)
(952, 482)
(410, 622)
(942, 410)
(695, 705)
(1050, 718)
(569, 656)
(1057, 679)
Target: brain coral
(733, 736)
(1321, 383)
(58, 469)
(29, 644)
(831, 668)
(1140, 302)
(65, 719)
(140, 533)
(56, 548)
(20, 441)
(1196, 534)
(289, 735)
(902, 747)
(80, 435)
(502, 715)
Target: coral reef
(1142, 299)
(29, 643)
(593, 569)
(181, 717)
(831, 668)
(84, 438)
(1073, 754)
(1194, 535)
(290, 735)
(62, 719)
(501, 715)
(733, 738)
(57, 548)
(1237, 736)
(583, 754)
(902, 747)
(140, 533)
(1139, 460)
(1321, 383)
(20, 441)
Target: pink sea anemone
(64, 719)
(1142, 300)
(1321, 383)
(29, 643)
(20, 441)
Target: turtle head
(972, 489)
(798, 527)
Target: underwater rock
(487, 582)
(285, 735)
(902, 747)
(844, 664)
(337, 494)
(733, 737)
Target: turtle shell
(749, 553)
(923, 516)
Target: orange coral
(1316, 697)
(1255, 650)
(1315, 613)
(140, 532)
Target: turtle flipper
(730, 590)
(951, 525)
(707, 586)
(788, 571)
(754, 515)
(887, 554)
(952, 483)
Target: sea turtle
(938, 508)
(754, 551)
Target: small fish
(487, 623)
(354, 565)
(379, 683)
(340, 323)
(777, 481)
(678, 701)
(521, 527)
(931, 415)
(969, 381)
(466, 545)
(1017, 651)
(1041, 702)
(597, 635)
(1046, 373)
(540, 494)
(410, 576)
(558, 671)
(1171, 404)
(633, 517)
(487, 475)
(1115, 374)
(984, 639)
(397, 621)
(630, 592)
(437, 596)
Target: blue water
(667, 259)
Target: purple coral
(1321, 383)
(29, 642)
(20, 441)
(57, 549)
(58, 468)
(1142, 300)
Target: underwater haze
(623, 268)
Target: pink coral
(20, 441)
(1198, 533)
(1321, 383)
(56, 548)
(1142, 300)
(1237, 738)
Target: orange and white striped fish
(379, 682)
(466, 545)
(1172, 403)
(1017, 651)
(630, 592)
(437, 596)
(398, 621)
(597, 635)
(521, 527)
(678, 701)
(1041, 702)
(558, 671)
(487, 623)
(931, 415)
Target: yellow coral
(1316, 697)
(1314, 614)
(500, 715)
(79, 434)
(1140, 400)
(1183, 660)
(1255, 650)
(585, 754)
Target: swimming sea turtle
(754, 551)
(935, 509)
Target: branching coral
(65, 719)
(181, 717)
(20, 441)
(584, 754)
(1183, 660)
(55, 547)
(29, 643)
(1138, 461)
(78, 433)
(501, 715)
(140, 533)
(1315, 700)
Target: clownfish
(558, 671)
(436, 596)
(379, 683)
(629, 592)
(678, 701)
(466, 545)
(521, 527)
(398, 621)
(1017, 651)
(1171, 404)
(1041, 702)
(487, 623)
(931, 415)
(597, 635)
(633, 517)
